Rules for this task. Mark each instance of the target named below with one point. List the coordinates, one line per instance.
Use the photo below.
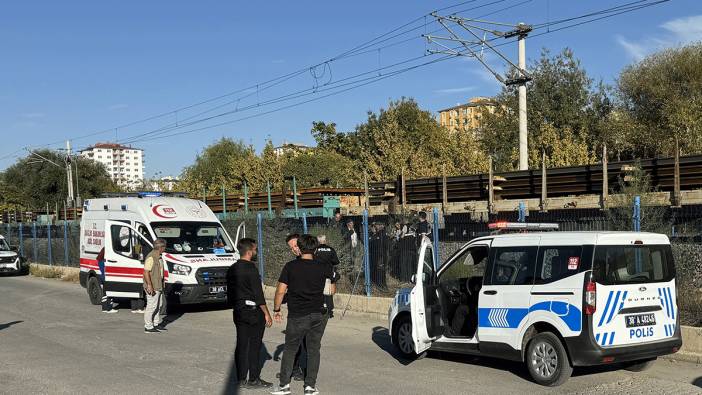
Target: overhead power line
(415, 28)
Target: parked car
(10, 259)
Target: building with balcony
(468, 116)
(125, 164)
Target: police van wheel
(547, 360)
(402, 337)
(94, 290)
(640, 366)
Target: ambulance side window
(121, 240)
(556, 263)
(141, 247)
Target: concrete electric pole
(476, 43)
(69, 175)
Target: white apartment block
(124, 164)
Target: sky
(82, 70)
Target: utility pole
(69, 174)
(523, 149)
(473, 47)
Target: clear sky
(74, 68)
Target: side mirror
(14, 248)
(413, 279)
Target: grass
(57, 272)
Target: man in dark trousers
(301, 356)
(304, 280)
(326, 255)
(251, 316)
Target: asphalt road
(52, 340)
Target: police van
(551, 300)
(198, 248)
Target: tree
(562, 104)
(32, 182)
(621, 216)
(320, 167)
(661, 98)
(402, 136)
(223, 163)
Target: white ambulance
(198, 253)
(552, 300)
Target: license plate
(219, 289)
(633, 321)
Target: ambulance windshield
(193, 237)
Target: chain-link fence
(379, 254)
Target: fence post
(65, 242)
(246, 198)
(34, 240)
(304, 222)
(366, 258)
(270, 206)
(522, 212)
(48, 241)
(21, 241)
(435, 236)
(261, 261)
(224, 201)
(637, 214)
(294, 182)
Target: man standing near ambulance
(153, 287)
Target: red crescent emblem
(167, 210)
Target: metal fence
(378, 254)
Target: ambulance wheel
(402, 337)
(94, 290)
(639, 366)
(547, 360)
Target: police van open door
(427, 322)
(125, 250)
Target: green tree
(402, 136)
(224, 163)
(660, 97)
(320, 167)
(621, 214)
(33, 182)
(562, 104)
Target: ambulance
(198, 248)
(550, 300)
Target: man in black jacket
(251, 316)
(326, 255)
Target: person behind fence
(326, 255)
(408, 254)
(107, 305)
(250, 313)
(423, 227)
(377, 251)
(153, 287)
(304, 280)
(351, 247)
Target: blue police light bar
(150, 194)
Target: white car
(10, 260)
(551, 300)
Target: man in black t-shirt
(304, 281)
